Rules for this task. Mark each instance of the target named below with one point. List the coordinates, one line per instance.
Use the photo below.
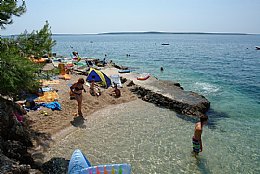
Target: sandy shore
(56, 121)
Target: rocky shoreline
(166, 94)
(169, 103)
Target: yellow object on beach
(49, 82)
(65, 77)
(48, 97)
(41, 60)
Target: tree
(37, 43)
(9, 8)
(17, 72)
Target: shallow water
(155, 140)
(223, 68)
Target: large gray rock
(172, 96)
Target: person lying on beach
(77, 89)
(94, 89)
(196, 139)
(116, 92)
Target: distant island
(144, 32)
(157, 32)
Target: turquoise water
(223, 68)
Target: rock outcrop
(172, 96)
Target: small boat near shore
(124, 71)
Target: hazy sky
(97, 16)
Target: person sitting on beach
(92, 89)
(116, 92)
(76, 89)
(196, 139)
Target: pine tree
(9, 8)
(37, 43)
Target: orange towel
(48, 97)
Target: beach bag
(30, 104)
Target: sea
(225, 68)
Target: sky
(101, 16)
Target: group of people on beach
(77, 88)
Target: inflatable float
(79, 164)
(143, 76)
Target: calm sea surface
(223, 68)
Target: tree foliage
(37, 43)
(9, 8)
(17, 72)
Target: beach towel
(53, 105)
(65, 77)
(48, 97)
(49, 82)
(45, 89)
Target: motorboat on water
(257, 47)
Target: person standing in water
(196, 139)
(77, 89)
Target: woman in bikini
(76, 89)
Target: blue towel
(52, 105)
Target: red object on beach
(144, 76)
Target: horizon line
(157, 32)
(150, 32)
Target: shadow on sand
(78, 122)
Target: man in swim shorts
(196, 139)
